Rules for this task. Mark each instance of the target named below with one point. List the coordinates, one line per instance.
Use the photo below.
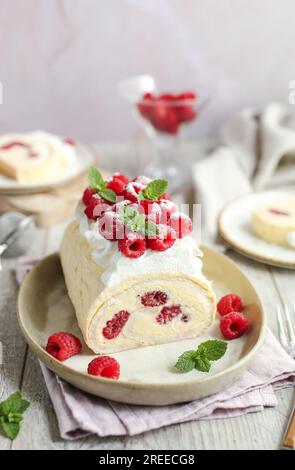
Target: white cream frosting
(183, 256)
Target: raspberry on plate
(104, 366)
(163, 240)
(133, 245)
(87, 195)
(229, 303)
(63, 345)
(233, 325)
(182, 224)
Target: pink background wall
(61, 59)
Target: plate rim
(239, 248)
(24, 189)
(56, 365)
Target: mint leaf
(11, 411)
(154, 190)
(140, 196)
(108, 194)
(150, 229)
(13, 404)
(210, 350)
(10, 430)
(186, 362)
(95, 179)
(202, 363)
(213, 349)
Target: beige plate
(147, 374)
(234, 227)
(83, 161)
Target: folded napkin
(256, 150)
(80, 414)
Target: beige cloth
(257, 151)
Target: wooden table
(20, 370)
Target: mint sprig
(136, 222)
(96, 182)
(154, 190)
(11, 411)
(210, 350)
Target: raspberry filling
(168, 313)
(114, 326)
(154, 298)
(275, 211)
(11, 145)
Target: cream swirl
(183, 256)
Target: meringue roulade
(34, 157)
(135, 289)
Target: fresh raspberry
(114, 326)
(104, 366)
(63, 345)
(152, 210)
(181, 223)
(187, 95)
(120, 176)
(163, 240)
(168, 313)
(96, 208)
(229, 303)
(233, 325)
(185, 113)
(154, 298)
(131, 191)
(164, 119)
(87, 195)
(146, 105)
(116, 185)
(167, 97)
(167, 208)
(165, 196)
(133, 245)
(111, 227)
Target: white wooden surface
(20, 370)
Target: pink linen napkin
(80, 414)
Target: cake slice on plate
(34, 157)
(132, 268)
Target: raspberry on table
(163, 240)
(154, 298)
(229, 303)
(168, 313)
(182, 224)
(62, 345)
(133, 245)
(87, 195)
(114, 326)
(104, 366)
(233, 325)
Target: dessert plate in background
(234, 227)
(84, 158)
(148, 376)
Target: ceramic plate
(83, 161)
(148, 376)
(234, 227)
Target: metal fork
(287, 339)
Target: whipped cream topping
(183, 256)
(291, 239)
